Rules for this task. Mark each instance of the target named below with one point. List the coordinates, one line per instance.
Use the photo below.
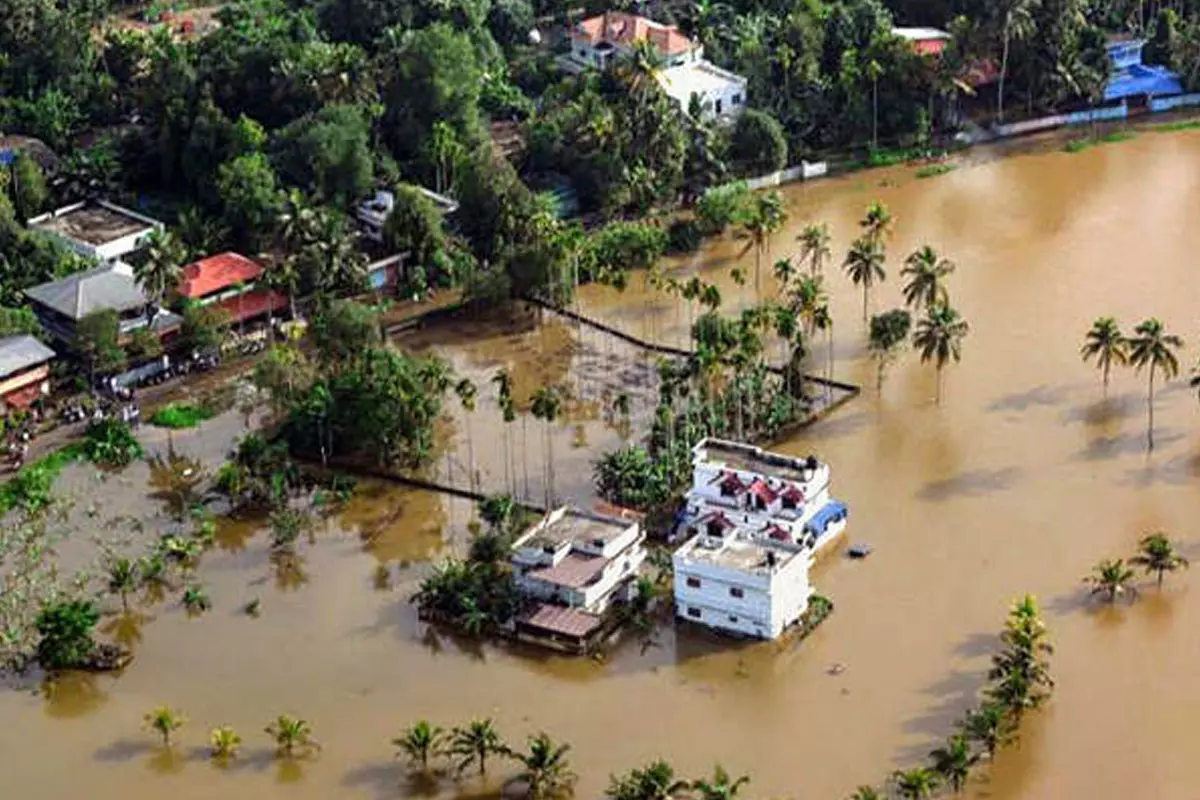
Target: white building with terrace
(572, 566)
(754, 522)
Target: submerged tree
(953, 761)
(888, 331)
(864, 266)
(1106, 344)
(721, 786)
(939, 339)
(1111, 579)
(761, 223)
(419, 743)
(655, 781)
(224, 743)
(1153, 348)
(917, 783)
(1157, 556)
(545, 770)
(814, 247)
(988, 726)
(475, 744)
(164, 721)
(293, 736)
(926, 272)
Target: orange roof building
(621, 29)
(220, 273)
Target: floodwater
(1022, 478)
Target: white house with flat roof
(599, 42)
(99, 230)
(754, 522)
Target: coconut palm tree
(503, 383)
(547, 404)
(722, 786)
(823, 321)
(292, 735)
(1151, 346)
(785, 271)
(164, 721)
(953, 761)
(988, 726)
(159, 273)
(814, 247)
(1111, 578)
(224, 743)
(1016, 23)
(545, 770)
(939, 338)
(916, 783)
(760, 225)
(877, 223)
(123, 578)
(865, 793)
(864, 266)
(1157, 555)
(475, 743)
(655, 781)
(1105, 343)
(419, 743)
(806, 297)
(926, 272)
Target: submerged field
(1023, 478)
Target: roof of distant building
(926, 41)
(573, 572)
(749, 458)
(559, 619)
(575, 527)
(699, 78)
(741, 554)
(619, 27)
(215, 273)
(93, 223)
(84, 293)
(19, 353)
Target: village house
(60, 305)
(1132, 81)
(754, 521)
(572, 566)
(99, 230)
(924, 41)
(229, 280)
(24, 372)
(599, 42)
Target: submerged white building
(755, 521)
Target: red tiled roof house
(229, 280)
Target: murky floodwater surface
(1024, 477)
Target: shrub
(758, 144)
(65, 628)
(111, 443)
(720, 207)
(181, 415)
(684, 236)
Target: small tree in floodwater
(421, 742)
(888, 331)
(1157, 556)
(164, 721)
(293, 737)
(1152, 347)
(939, 339)
(1111, 579)
(475, 743)
(1106, 344)
(224, 743)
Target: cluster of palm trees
(1156, 555)
(292, 736)
(1150, 348)
(545, 404)
(658, 781)
(544, 768)
(1018, 682)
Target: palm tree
(814, 247)
(503, 382)
(877, 223)
(874, 71)
(656, 781)
(224, 742)
(164, 721)
(1151, 346)
(823, 321)
(864, 265)
(806, 298)
(1157, 555)
(284, 275)
(722, 786)
(766, 218)
(916, 783)
(1111, 578)
(988, 726)
(467, 392)
(545, 770)
(953, 761)
(159, 273)
(866, 793)
(939, 337)
(1016, 22)
(419, 742)
(1105, 343)
(123, 578)
(546, 406)
(292, 736)
(475, 743)
(926, 272)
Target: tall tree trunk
(1003, 74)
(937, 397)
(525, 452)
(866, 299)
(874, 113)
(1150, 406)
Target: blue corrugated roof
(1140, 79)
(830, 512)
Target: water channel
(1021, 479)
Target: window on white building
(736, 591)
(717, 107)
(736, 101)
(693, 583)
(693, 612)
(733, 620)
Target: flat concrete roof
(752, 459)
(92, 223)
(743, 555)
(577, 528)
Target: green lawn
(181, 415)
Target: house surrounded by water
(754, 522)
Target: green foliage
(655, 781)
(415, 226)
(722, 206)
(293, 736)
(248, 190)
(329, 153)
(419, 743)
(475, 597)
(97, 339)
(629, 477)
(259, 473)
(619, 247)
(475, 743)
(196, 600)
(110, 442)
(344, 330)
(65, 631)
(224, 743)
(178, 416)
(27, 187)
(204, 327)
(545, 770)
(758, 144)
(933, 170)
(888, 331)
(164, 721)
(31, 487)
(18, 321)
(1157, 556)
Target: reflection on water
(69, 695)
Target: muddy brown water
(1024, 477)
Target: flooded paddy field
(1021, 479)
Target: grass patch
(933, 170)
(1079, 145)
(178, 416)
(30, 488)
(1181, 125)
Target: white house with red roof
(754, 522)
(598, 42)
(230, 280)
